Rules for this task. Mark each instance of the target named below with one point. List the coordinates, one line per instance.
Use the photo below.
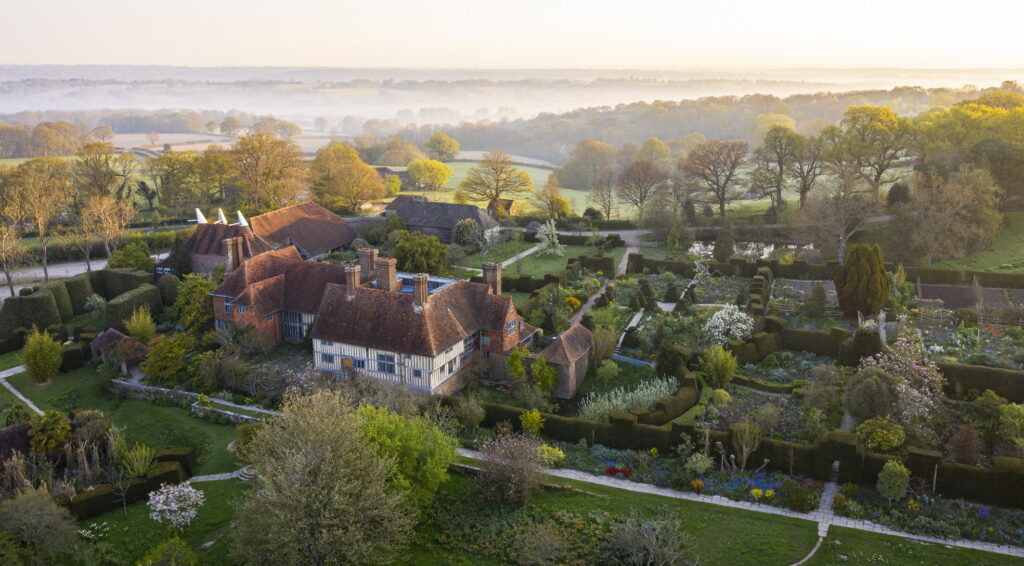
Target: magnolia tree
(548, 238)
(175, 504)
(919, 383)
(728, 324)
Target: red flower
(611, 470)
(626, 473)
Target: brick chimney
(492, 277)
(351, 279)
(386, 273)
(419, 288)
(233, 247)
(367, 256)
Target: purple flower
(984, 512)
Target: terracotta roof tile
(570, 345)
(298, 285)
(307, 225)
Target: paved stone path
(823, 517)
(237, 474)
(519, 255)
(3, 381)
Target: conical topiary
(862, 285)
(672, 293)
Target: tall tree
(602, 193)
(590, 163)
(342, 180)
(805, 165)
(549, 200)
(949, 217)
(322, 493)
(862, 285)
(270, 170)
(772, 162)
(43, 186)
(440, 147)
(868, 141)
(280, 128)
(714, 168)
(231, 127)
(639, 183)
(11, 251)
(94, 172)
(838, 212)
(429, 174)
(657, 152)
(492, 179)
(109, 217)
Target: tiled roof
(208, 239)
(394, 321)
(402, 199)
(441, 214)
(307, 225)
(280, 280)
(570, 345)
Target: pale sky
(516, 33)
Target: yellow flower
(913, 505)
(757, 493)
(770, 493)
(654, 452)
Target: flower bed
(930, 515)
(799, 493)
(786, 367)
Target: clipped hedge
(79, 289)
(962, 379)
(109, 283)
(74, 356)
(1008, 481)
(814, 341)
(105, 498)
(962, 480)
(61, 298)
(38, 309)
(122, 306)
(184, 456)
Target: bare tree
(639, 183)
(714, 167)
(806, 164)
(833, 217)
(772, 163)
(107, 216)
(11, 250)
(153, 137)
(602, 192)
(41, 191)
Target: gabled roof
(570, 345)
(442, 215)
(402, 199)
(280, 280)
(393, 321)
(307, 225)
(208, 239)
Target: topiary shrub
(79, 288)
(61, 298)
(718, 367)
(862, 283)
(120, 308)
(73, 356)
(893, 481)
(870, 393)
(880, 433)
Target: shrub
(166, 361)
(42, 355)
(728, 324)
(551, 456)
(720, 398)
(870, 392)
(95, 303)
(816, 302)
(537, 544)
(880, 433)
(965, 446)
(171, 552)
(49, 432)
(607, 371)
(470, 413)
(597, 406)
(718, 367)
(168, 285)
(132, 255)
(893, 481)
(138, 460)
(42, 528)
(699, 464)
(795, 496)
(768, 417)
(510, 473)
(176, 505)
(649, 542)
(140, 324)
(966, 317)
(862, 284)
(725, 243)
(745, 437)
(532, 422)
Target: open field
(156, 426)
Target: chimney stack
(351, 279)
(492, 277)
(233, 247)
(419, 288)
(367, 256)
(386, 273)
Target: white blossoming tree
(175, 504)
(728, 324)
(919, 388)
(547, 236)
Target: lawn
(499, 253)
(849, 546)
(1006, 255)
(10, 359)
(519, 298)
(629, 377)
(134, 533)
(539, 265)
(156, 426)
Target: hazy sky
(516, 33)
